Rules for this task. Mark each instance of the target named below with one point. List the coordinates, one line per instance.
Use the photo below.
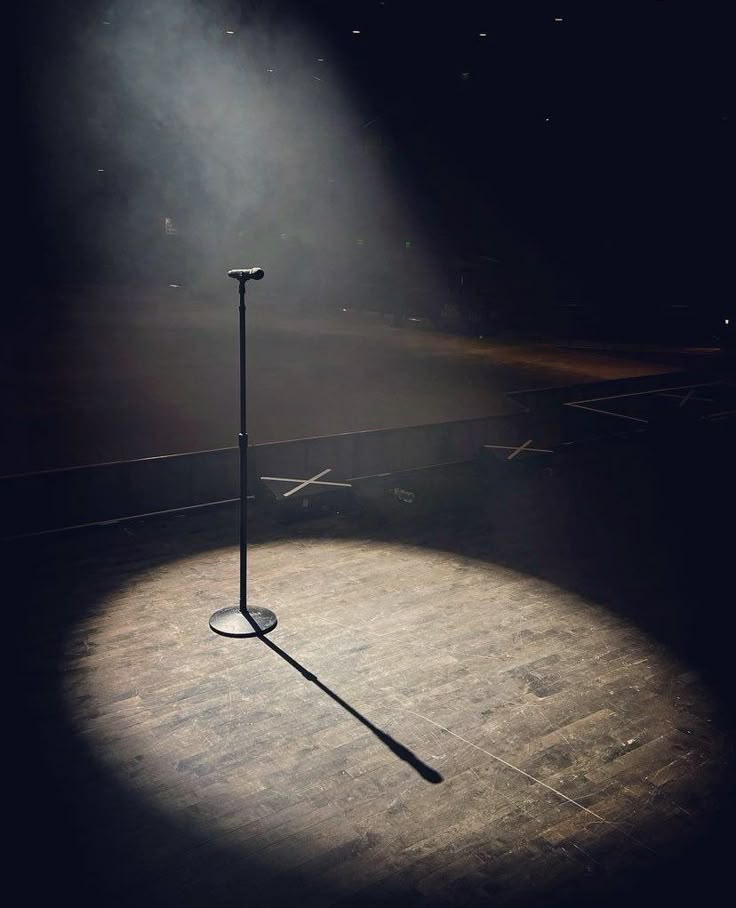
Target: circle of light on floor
(549, 719)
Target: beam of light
(239, 147)
(223, 695)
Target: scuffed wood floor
(438, 718)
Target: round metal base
(231, 622)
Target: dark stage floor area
(113, 374)
(517, 690)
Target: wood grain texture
(541, 665)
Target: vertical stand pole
(240, 621)
(243, 455)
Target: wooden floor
(525, 701)
(345, 372)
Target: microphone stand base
(232, 622)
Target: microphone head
(246, 274)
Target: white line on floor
(592, 400)
(530, 777)
(680, 397)
(607, 413)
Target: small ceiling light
(100, 170)
(546, 119)
(356, 31)
(269, 70)
(320, 59)
(558, 18)
(175, 285)
(229, 31)
(105, 22)
(725, 321)
(483, 35)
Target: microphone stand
(240, 621)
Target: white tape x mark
(302, 483)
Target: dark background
(589, 158)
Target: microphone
(246, 274)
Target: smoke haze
(248, 143)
